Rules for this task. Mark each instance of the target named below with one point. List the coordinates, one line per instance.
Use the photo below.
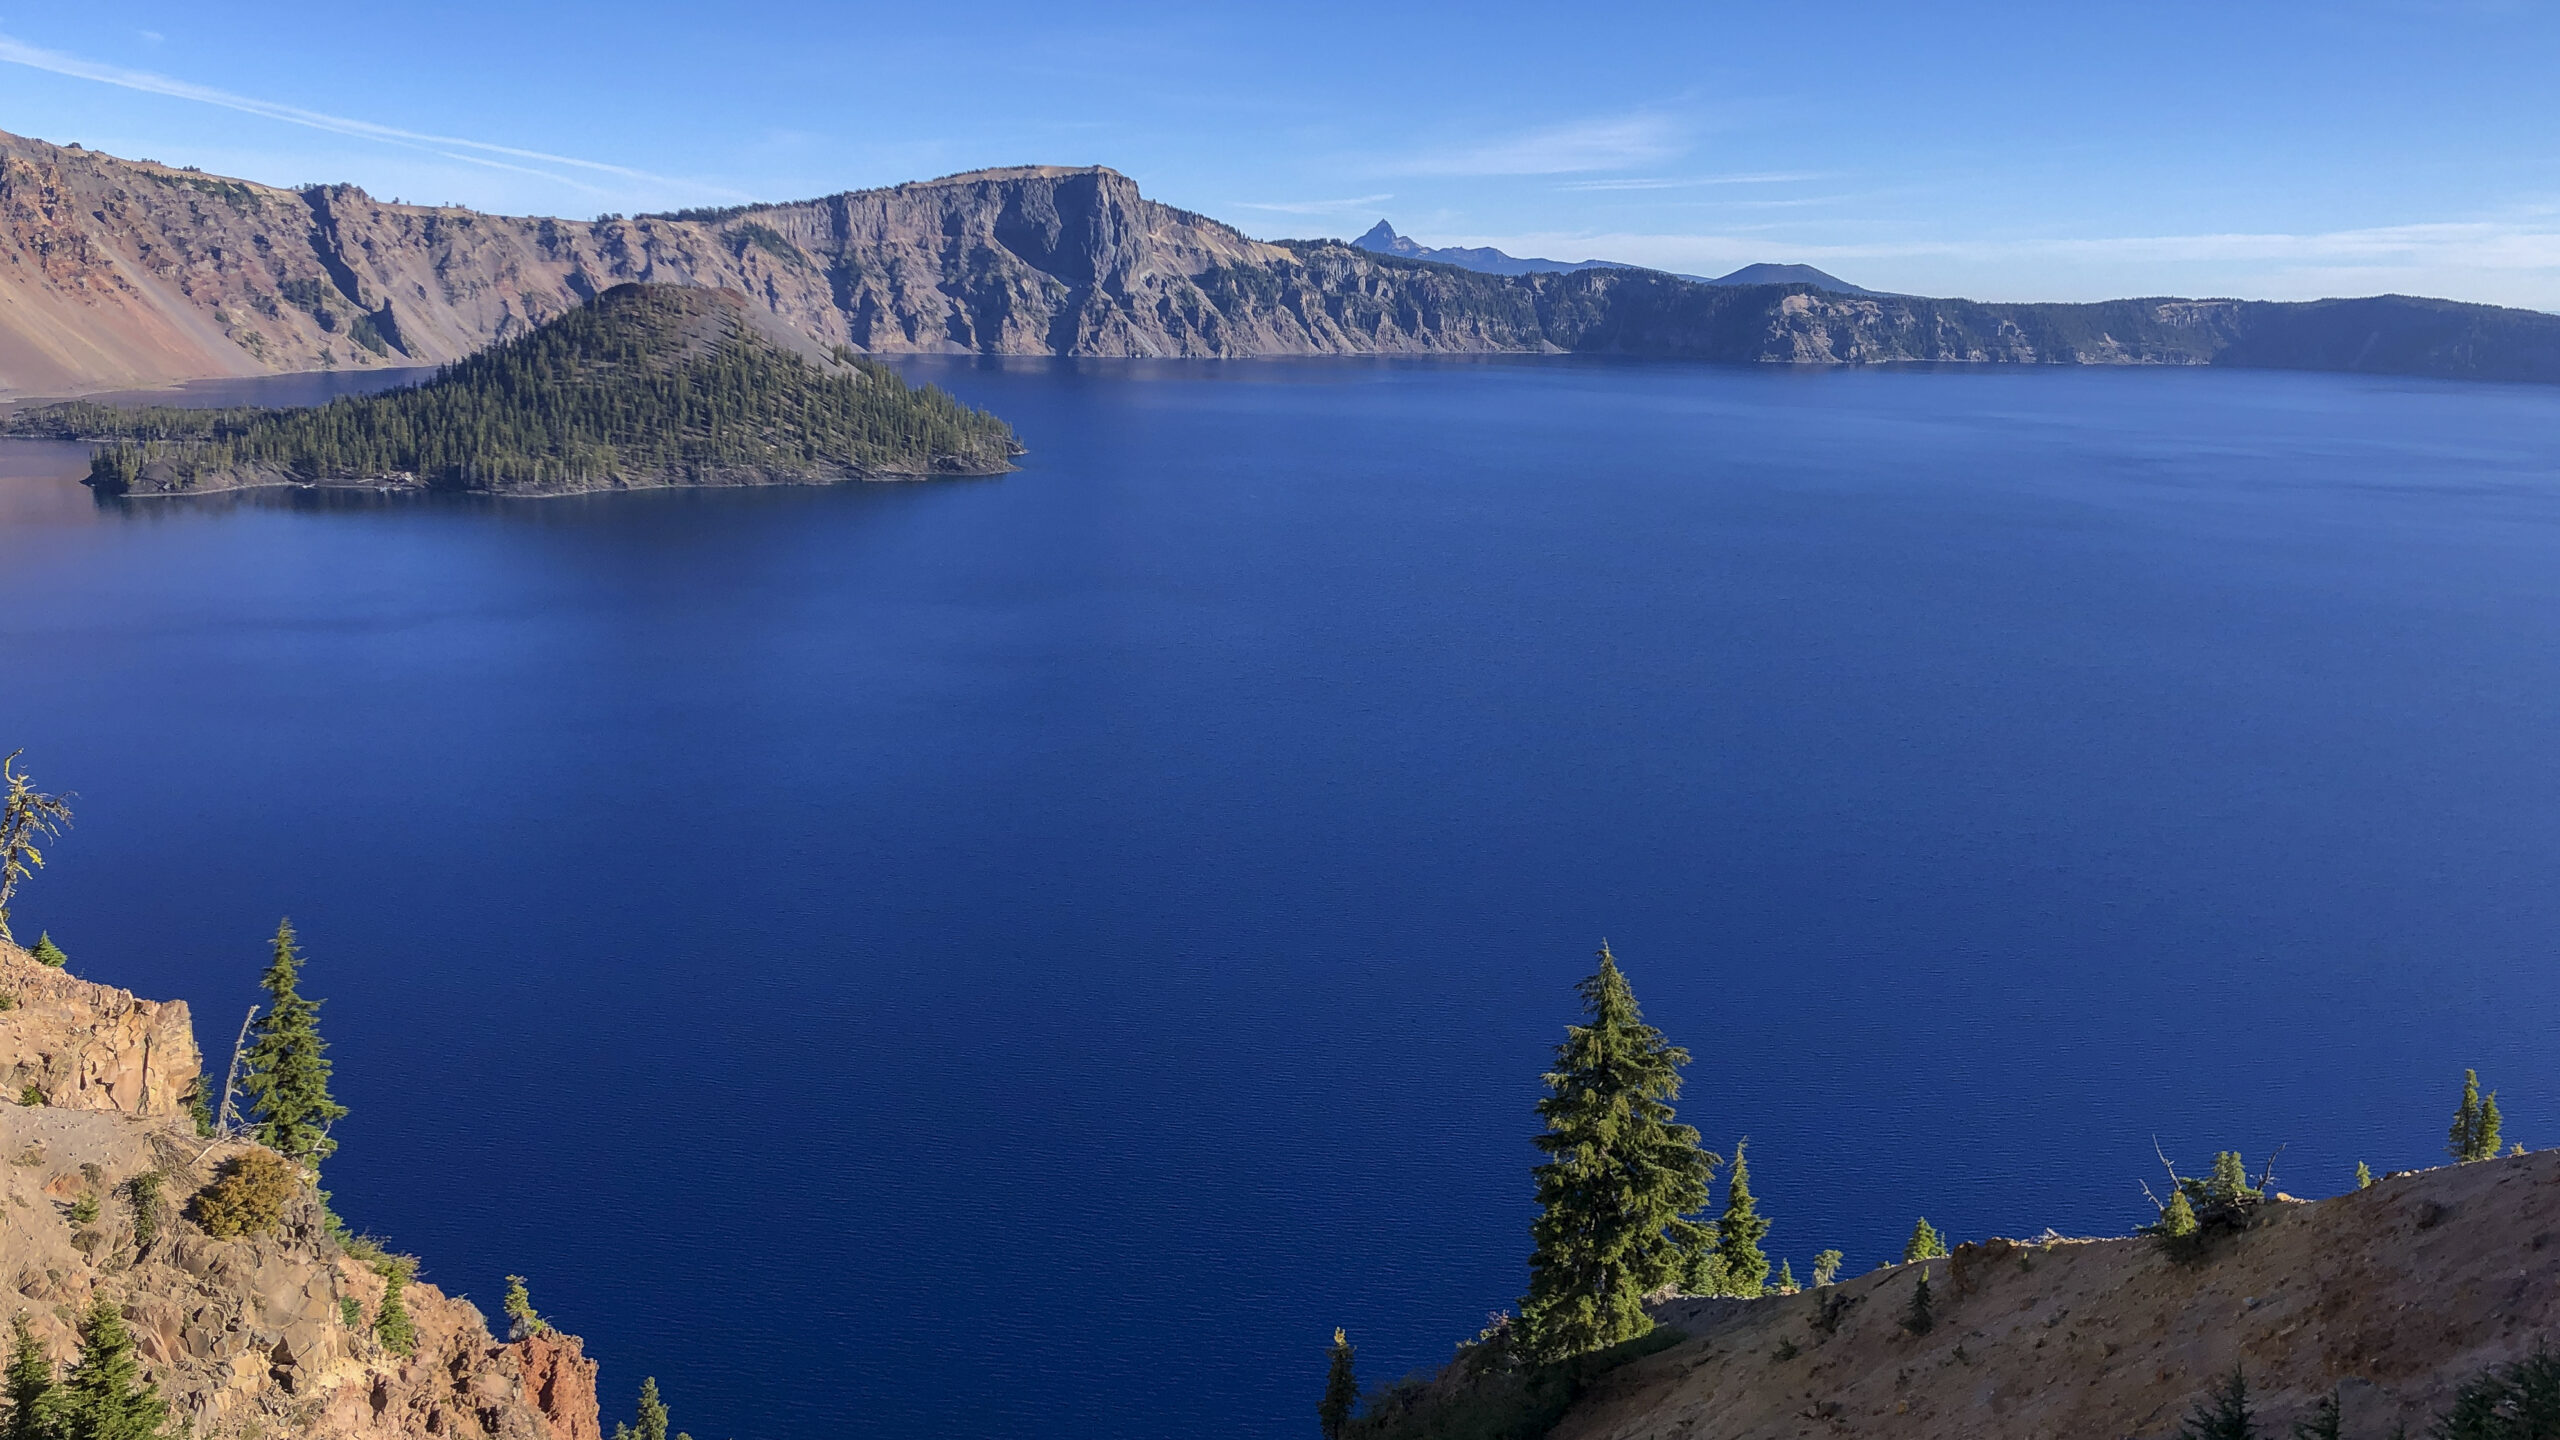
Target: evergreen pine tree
(2224, 1416)
(288, 1069)
(1922, 1314)
(30, 1390)
(106, 1396)
(522, 1321)
(2364, 1176)
(1702, 1263)
(2485, 1144)
(1924, 1243)
(1786, 1282)
(48, 953)
(1826, 1267)
(1621, 1176)
(1341, 1390)
(2322, 1423)
(2464, 1138)
(392, 1323)
(2177, 1218)
(2229, 1186)
(653, 1412)
(1740, 1229)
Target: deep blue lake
(1029, 957)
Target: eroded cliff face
(245, 1337)
(91, 1047)
(127, 273)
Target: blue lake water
(1030, 957)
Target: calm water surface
(1029, 957)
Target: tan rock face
(2388, 1297)
(91, 1047)
(247, 1336)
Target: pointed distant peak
(1382, 239)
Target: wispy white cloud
(1608, 143)
(451, 147)
(1313, 207)
(1773, 178)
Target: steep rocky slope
(2388, 1297)
(122, 273)
(245, 1337)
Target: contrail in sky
(472, 152)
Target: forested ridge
(646, 385)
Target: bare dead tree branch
(226, 1119)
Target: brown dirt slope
(2389, 1297)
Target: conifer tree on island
(1622, 1174)
(1924, 1243)
(1341, 1389)
(1740, 1230)
(288, 1079)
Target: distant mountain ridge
(1382, 239)
(116, 274)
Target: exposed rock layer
(126, 273)
(244, 1337)
(91, 1047)
(2388, 1297)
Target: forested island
(645, 386)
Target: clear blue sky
(2031, 151)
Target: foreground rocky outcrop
(2388, 1297)
(245, 1337)
(91, 1047)
(125, 273)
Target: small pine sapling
(2177, 1219)
(2224, 1415)
(143, 1193)
(1921, 1314)
(2364, 1176)
(2321, 1423)
(1786, 1281)
(1740, 1230)
(106, 1396)
(1826, 1267)
(1341, 1389)
(30, 1392)
(391, 1322)
(2474, 1123)
(48, 953)
(522, 1320)
(1924, 1243)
